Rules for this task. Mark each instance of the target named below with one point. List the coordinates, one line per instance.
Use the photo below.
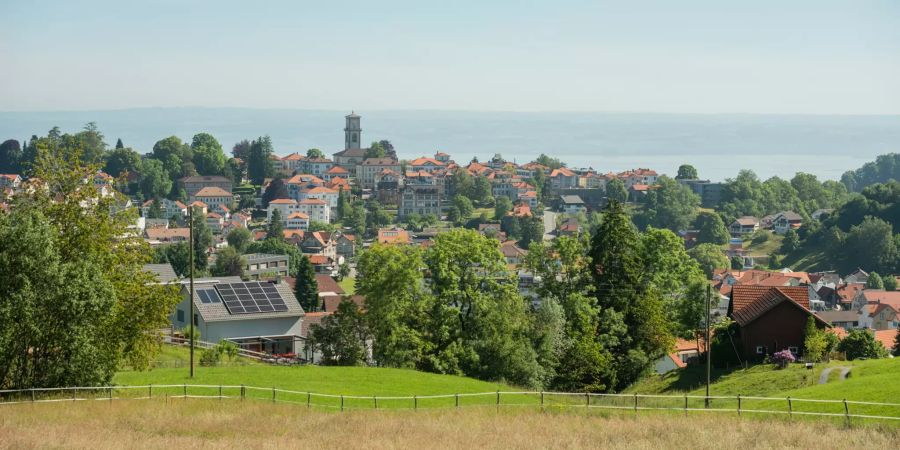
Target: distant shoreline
(717, 144)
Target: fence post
(185, 390)
(739, 404)
(847, 412)
(498, 400)
(587, 400)
(74, 393)
(375, 401)
(542, 401)
(308, 395)
(273, 394)
(635, 402)
(32, 395)
(415, 402)
(457, 400)
(342, 402)
(790, 408)
(243, 393)
(110, 394)
(220, 392)
(685, 404)
(150, 391)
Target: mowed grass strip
(196, 423)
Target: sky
(689, 56)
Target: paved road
(823, 377)
(549, 224)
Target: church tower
(352, 132)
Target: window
(760, 350)
(180, 315)
(794, 350)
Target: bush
(783, 358)
(760, 237)
(210, 357)
(861, 344)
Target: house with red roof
(563, 178)
(771, 318)
(426, 164)
(335, 172)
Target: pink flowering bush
(783, 358)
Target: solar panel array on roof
(251, 297)
(208, 296)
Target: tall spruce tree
(305, 288)
(632, 325)
(276, 226)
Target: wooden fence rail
(739, 404)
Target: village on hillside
(297, 223)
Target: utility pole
(191, 297)
(708, 346)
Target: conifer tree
(276, 227)
(305, 288)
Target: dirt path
(823, 377)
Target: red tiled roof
(886, 337)
(891, 298)
(748, 302)
(331, 302)
(212, 191)
(327, 284)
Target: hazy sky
(759, 56)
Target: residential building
(345, 245)
(442, 157)
(419, 195)
(771, 319)
(316, 209)
(786, 220)
(513, 253)
(194, 184)
(263, 265)
(297, 221)
(317, 166)
(393, 236)
(387, 187)
(349, 159)
(563, 178)
(318, 243)
(857, 276)
(215, 222)
(10, 181)
(686, 353)
(425, 164)
(327, 195)
(638, 176)
(847, 320)
(743, 226)
(290, 164)
(158, 236)
(571, 204)
(301, 182)
(335, 172)
(169, 208)
(269, 321)
(213, 197)
(369, 168)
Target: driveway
(549, 224)
(823, 377)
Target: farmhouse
(258, 316)
(771, 319)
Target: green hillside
(353, 381)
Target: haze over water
(718, 145)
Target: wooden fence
(739, 404)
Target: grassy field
(764, 248)
(229, 424)
(869, 381)
(348, 284)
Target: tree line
(610, 305)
